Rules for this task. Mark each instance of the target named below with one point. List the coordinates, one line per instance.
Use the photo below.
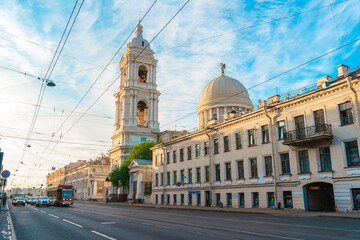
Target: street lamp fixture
(50, 83)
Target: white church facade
(296, 151)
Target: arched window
(215, 116)
(141, 114)
(142, 74)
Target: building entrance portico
(320, 197)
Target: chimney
(343, 70)
(323, 81)
(262, 103)
(274, 99)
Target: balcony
(308, 136)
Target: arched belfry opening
(142, 74)
(141, 114)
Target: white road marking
(53, 215)
(108, 222)
(42, 211)
(103, 235)
(72, 223)
(25, 212)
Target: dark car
(52, 201)
(19, 201)
(13, 201)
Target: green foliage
(120, 176)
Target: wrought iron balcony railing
(308, 134)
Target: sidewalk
(266, 211)
(5, 229)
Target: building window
(251, 136)
(161, 179)
(281, 129)
(352, 153)
(285, 163)
(304, 161)
(265, 134)
(319, 120)
(216, 146)
(217, 172)
(174, 156)
(356, 197)
(253, 168)
(300, 127)
(271, 199)
(206, 148)
(241, 199)
(218, 199)
(189, 153)
(167, 198)
(198, 198)
(174, 199)
(238, 140)
(207, 173)
(143, 139)
(162, 159)
(288, 203)
(162, 198)
(240, 169)
(174, 177)
(182, 198)
(181, 155)
(197, 150)
(142, 74)
(141, 114)
(198, 175)
(156, 199)
(226, 144)
(168, 158)
(325, 158)
(229, 199)
(182, 176)
(346, 115)
(189, 175)
(156, 179)
(228, 171)
(255, 199)
(167, 178)
(157, 160)
(190, 199)
(268, 166)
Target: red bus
(63, 194)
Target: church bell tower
(136, 117)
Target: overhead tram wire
(182, 7)
(47, 75)
(276, 76)
(98, 77)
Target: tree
(120, 176)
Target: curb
(13, 235)
(224, 210)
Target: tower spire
(140, 17)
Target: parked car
(43, 201)
(33, 201)
(19, 201)
(52, 201)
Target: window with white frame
(238, 140)
(352, 153)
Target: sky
(257, 40)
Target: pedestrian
(107, 198)
(4, 199)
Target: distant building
(136, 118)
(140, 172)
(299, 150)
(55, 179)
(89, 178)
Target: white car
(43, 200)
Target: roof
(142, 161)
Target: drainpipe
(164, 170)
(212, 198)
(274, 153)
(356, 99)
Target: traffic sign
(178, 184)
(5, 174)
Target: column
(218, 113)
(130, 108)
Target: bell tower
(136, 117)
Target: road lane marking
(108, 222)
(25, 212)
(103, 235)
(72, 223)
(42, 211)
(53, 215)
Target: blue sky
(252, 56)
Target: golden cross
(139, 16)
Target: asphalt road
(101, 221)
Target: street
(100, 221)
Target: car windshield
(21, 199)
(44, 198)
